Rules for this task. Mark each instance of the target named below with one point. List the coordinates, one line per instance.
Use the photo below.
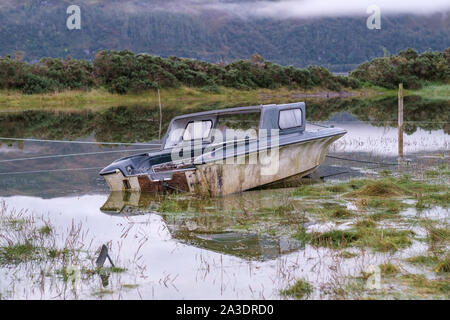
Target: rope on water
(50, 170)
(364, 161)
(369, 168)
(82, 142)
(72, 155)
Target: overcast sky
(312, 8)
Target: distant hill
(38, 28)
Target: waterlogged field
(370, 229)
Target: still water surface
(190, 253)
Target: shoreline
(98, 99)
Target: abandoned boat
(220, 152)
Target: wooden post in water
(400, 121)
(160, 115)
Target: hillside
(38, 28)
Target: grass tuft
(379, 188)
(334, 239)
(16, 253)
(299, 290)
(443, 265)
(388, 269)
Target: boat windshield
(238, 126)
(197, 130)
(217, 129)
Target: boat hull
(298, 159)
(221, 178)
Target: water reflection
(225, 248)
(141, 123)
(370, 125)
(211, 223)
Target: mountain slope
(38, 28)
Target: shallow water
(193, 250)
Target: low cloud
(308, 8)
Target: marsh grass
(439, 264)
(100, 98)
(393, 206)
(443, 265)
(433, 91)
(376, 193)
(130, 286)
(382, 240)
(341, 212)
(428, 200)
(348, 254)
(301, 289)
(301, 235)
(334, 239)
(436, 234)
(388, 269)
(30, 243)
(18, 252)
(45, 230)
(327, 190)
(102, 292)
(66, 272)
(365, 223)
(423, 260)
(425, 286)
(284, 209)
(379, 188)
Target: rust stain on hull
(118, 182)
(178, 182)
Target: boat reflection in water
(211, 224)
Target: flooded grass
(379, 188)
(320, 240)
(301, 289)
(436, 234)
(340, 228)
(388, 269)
(428, 260)
(334, 239)
(443, 265)
(17, 253)
(424, 286)
(33, 247)
(378, 239)
(365, 223)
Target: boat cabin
(245, 122)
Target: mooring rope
(49, 170)
(72, 155)
(82, 142)
(370, 168)
(363, 161)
